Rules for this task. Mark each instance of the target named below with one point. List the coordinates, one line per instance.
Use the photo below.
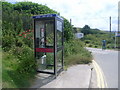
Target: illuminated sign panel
(59, 26)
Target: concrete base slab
(42, 79)
(77, 76)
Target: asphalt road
(108, 62)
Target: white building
(79, 35)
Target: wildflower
(20, 34)
(24, 36)
(27, 33)
(23, 33)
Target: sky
(94, 13)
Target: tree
(68, 34)
(74, 29)
(86, 30)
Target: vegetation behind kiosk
(48, 43)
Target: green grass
(77, 59)
(75, 53)
(95, 40)
(11, 72)
(7, 67)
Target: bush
(75, 53)
(87, 41)
(8, 42)
(73, 47)
(110, 46)
(95, 40)
(77, 59)
(90, 45)
(96, 46)
(18, 67)
(26, 59)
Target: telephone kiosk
(48, 43)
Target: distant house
(117, 35)
(79, 35)
(77, 32)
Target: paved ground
(81, 76)
(108, 62)
(78, 76)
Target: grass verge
(17, 72)
(75, 53)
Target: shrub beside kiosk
(48, 43)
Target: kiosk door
(44, 49)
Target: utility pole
(118, 25)
(59, 13)
(118, 32)
(115, 39)
(110, 26)
(71, 21)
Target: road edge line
(101, 82)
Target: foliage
(77, 59)
(95, 40)
(17, 18)
(33, 8)
(118, 43)
(86, 30)
(17, 44)
(15, 71)
(75, 53)
(93, 37)
(68, 34)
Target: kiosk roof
(47, 15)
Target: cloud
(92, 12)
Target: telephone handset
(42, 39)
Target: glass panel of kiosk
(44, 35)
(48, 43)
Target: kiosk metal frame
(49, 22)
